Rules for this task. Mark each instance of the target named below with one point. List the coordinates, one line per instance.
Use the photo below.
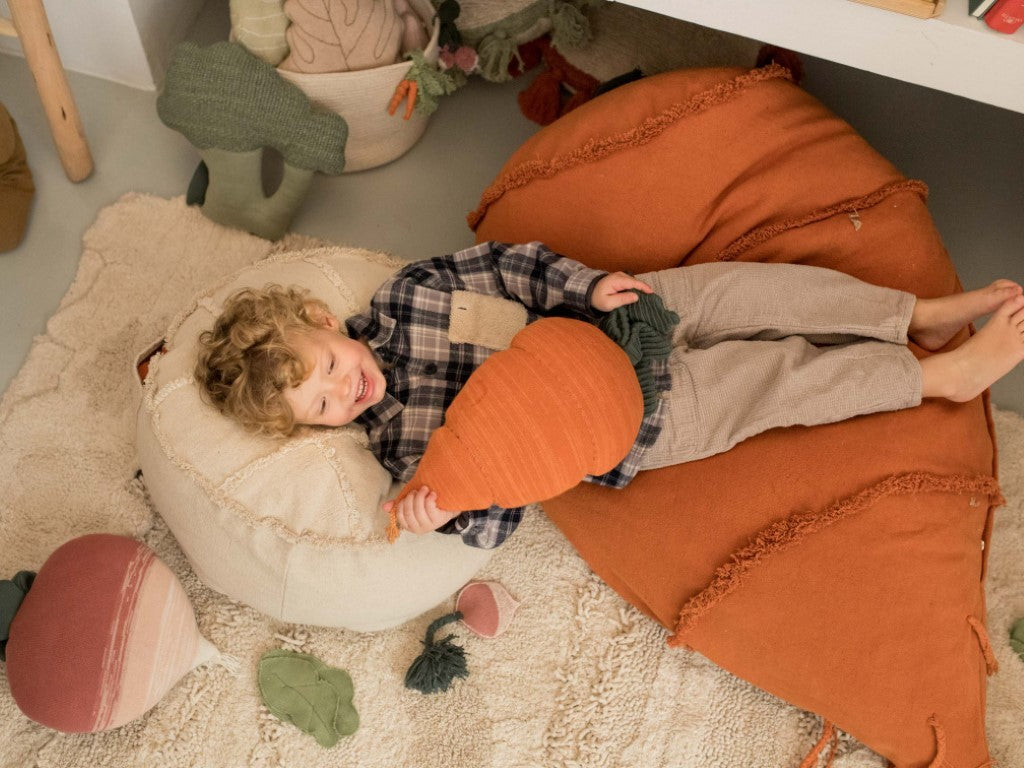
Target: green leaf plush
(232, 105)
(1017, 637)
(302, 690)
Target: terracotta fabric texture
(839, 567)
(104, 633)
(562, 402)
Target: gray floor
(971, 156)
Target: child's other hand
(418, 512)
(616, 290)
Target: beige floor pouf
(292, 527)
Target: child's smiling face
(344, 377)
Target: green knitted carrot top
(644, 331)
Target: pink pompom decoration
(487, 607)
(465, 58)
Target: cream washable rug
(579, 679)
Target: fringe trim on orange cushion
(940, 744)
(645, 132)
(792, 530)
(991, 664)
(393, 531)
(939, 761)
(787, 58)
(768, 231)
(829, 737)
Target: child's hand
(615, 290)
(418, 512)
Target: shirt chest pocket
(486, 321)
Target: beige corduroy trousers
(760, 346)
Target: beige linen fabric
(761, 346)
(487, 321)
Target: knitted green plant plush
(231, 105)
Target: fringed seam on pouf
(851, 206)
(793, 529)
(644, 133)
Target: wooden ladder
(29, 24)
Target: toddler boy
(758, 346)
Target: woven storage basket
(362, 98)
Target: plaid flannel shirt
(407, 328)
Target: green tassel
(12, 593)
(495, 52)
(431, 82)
(644, 331)
(436, 668)
(570, 28)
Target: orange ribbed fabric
(832, 566)
(562, 402)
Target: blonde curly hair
(248, 360)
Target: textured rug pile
(579, 679)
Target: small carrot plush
(406, 88)
(423, 85)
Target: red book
(1006, 16)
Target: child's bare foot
(936, 321)
(990, 354)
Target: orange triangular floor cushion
(562, 402)
(840, 567)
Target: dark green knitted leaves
(223, 97)
(12, 593)
(440, 663)
(644, 331)
(431, 82)
(302, 690)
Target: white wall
(162, 24)
(127, 41)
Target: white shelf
(953, 52)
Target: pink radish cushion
(486, 607)
(105, 631)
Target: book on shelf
(978, 8)
(1006, 16)
(922, 9)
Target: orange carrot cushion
(839, 567)
(562, 402)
